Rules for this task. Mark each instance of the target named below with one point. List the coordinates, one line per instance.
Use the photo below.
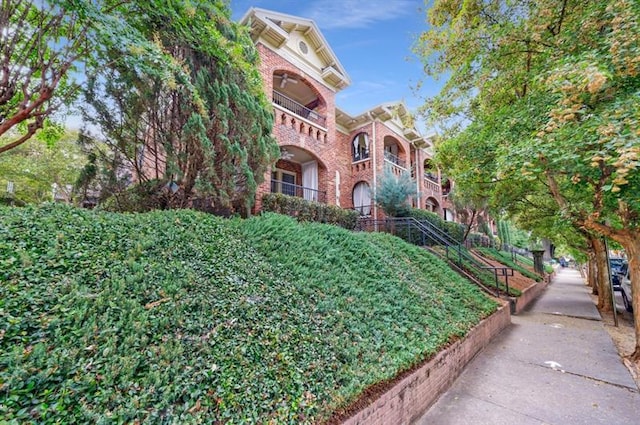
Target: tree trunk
(632, 248)
(591, 268)
(466, 233)
(602, 276)
(591, 265)
(591, 277)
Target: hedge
(309, 211)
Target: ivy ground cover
(506, 259)
(182, 317)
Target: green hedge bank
(183, 317)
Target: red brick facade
(288, 72)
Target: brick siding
(331, 148)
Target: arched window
(360, 147)
(431, 204)
(362, 198)
(430, 171)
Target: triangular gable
(300, 41)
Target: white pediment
(299, 41)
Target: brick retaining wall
(407, 401)
(530, 294)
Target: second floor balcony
(299, 109)
(396, 165)
(431, 183)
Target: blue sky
(372, 39)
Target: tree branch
(31, 129)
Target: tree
(35, 167)
(211, 143)
(550, 88)
(45, 46)
(394, 192)
(41, 41)
(470, 208)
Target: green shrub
(394, 192)
(8, 201)
(478, 239)
(309, 211)
(184, 317)
(454, 230)
(143, 197)
(424, 215)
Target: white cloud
(330, 14)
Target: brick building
(328, 155)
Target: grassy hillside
(506, 259)
(181, 317)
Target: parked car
(618, 267)
(625, 290)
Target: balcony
(431, 176)
(290, 189)
(431, 183)
(397, 165)
(299, 109)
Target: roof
(284, 33)
(394, 113)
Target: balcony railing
(299, 109)
(364, 210)
(279, 186)
(431, 184)
(395, 160)
(430, 176)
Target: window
(283, 182)
(303, 47)
(431, 205)
(362, 198)
(430, 171)
(448, 215)
(360, 147)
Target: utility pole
(613, 296)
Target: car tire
(627, 303)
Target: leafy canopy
(209, 133)
(543, 101)
(34, 167)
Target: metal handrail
(431, 177)
(454, 251)
(395, 160)
(299, 109)
(279, 186)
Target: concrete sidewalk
(555, 365)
